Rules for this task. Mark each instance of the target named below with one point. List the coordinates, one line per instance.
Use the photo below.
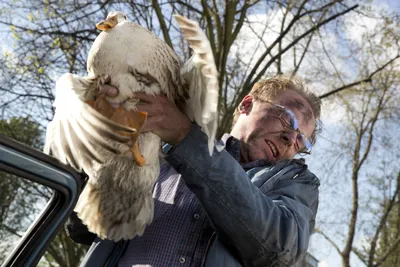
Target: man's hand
(164, 118)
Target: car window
(21, 203)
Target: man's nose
(289, 137)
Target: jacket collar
(232, 146)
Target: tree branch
(303, 54)
(317, 230)
(210, 26)
(261, 73)
(395, 245)
(365, 80)
(161, 20)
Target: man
(249, 204)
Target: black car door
(25, 163)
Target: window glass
(21, 203)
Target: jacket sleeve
(268, 224)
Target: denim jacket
(262, 216)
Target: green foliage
(23, 130)
(390, 237)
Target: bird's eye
(125, 17)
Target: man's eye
(290, 123)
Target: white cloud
(358, 26)
(323, 264)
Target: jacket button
(196, 216)
(182, 260)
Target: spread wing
(201, 74)
(77, 131)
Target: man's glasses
(290, 123)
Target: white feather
(201, 74)
(74, 131)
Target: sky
(319, 247)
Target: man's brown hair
(267, 90)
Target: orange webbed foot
(124, 117)
(121, 116)
(136, 155)
(90, 102)
(135, 120)
(102, 106)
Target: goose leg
(122, 116)
(135, 120)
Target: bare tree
(250, 41)
(54, 37)
(371, 109)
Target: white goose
(89, 135)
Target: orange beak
(107, 24)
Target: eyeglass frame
(294, 127)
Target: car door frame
(28, 163)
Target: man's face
(262, 134)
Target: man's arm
(266, 224)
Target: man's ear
(246, 105)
